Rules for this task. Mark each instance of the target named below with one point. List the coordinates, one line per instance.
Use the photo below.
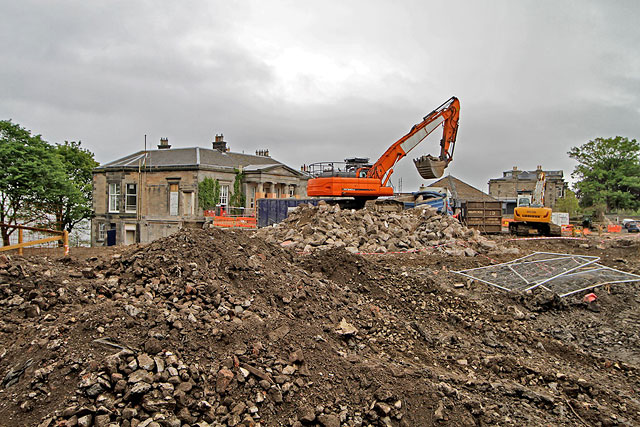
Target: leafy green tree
(238, 198)
(75, 204)
(208, 193)
(31, 175)
(608, 172)
(568, 203)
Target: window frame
(134, 195)
(224, 195)
(102, 231)
(114, 197)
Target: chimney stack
(219, 143)
(262, 153)
(164, 144)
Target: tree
(608, 171)
(31, 175)
(75, 204)
(237, 198)
(568, 203)
(208, 193)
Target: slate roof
(194, 158)
(460, 190)
(529, 175)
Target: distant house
(460, 191)
(150, 194)
(515, 181)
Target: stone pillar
(260, 191)
(271, 191)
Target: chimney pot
(164, 144)
(219, 143)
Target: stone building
(151, 194)
(515, 181)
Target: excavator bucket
(430, 167)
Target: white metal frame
(588, 266)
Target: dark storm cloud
(319, 82)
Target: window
(523, 201)
(173, 199)
(252, 199)
(131, 199)
(224, 195)
(102, 231)
(292, 191)
(114, 197)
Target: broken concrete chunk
(346, 328)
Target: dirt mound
(221, 328)
(310, 228)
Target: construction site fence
(62, 236)
(572, 229)
(235, 222)
(230, 211)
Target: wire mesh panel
(530, 271)
(588, 278)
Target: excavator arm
(366, 182)
(447, 114)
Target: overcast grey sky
(321, 81)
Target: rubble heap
(200, 328)
(219, 328)
(309, 228)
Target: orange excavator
(358, 179)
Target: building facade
(151, 194)
(515, 181)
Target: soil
(329, 338)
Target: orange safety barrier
(235, 221)
(614, 228)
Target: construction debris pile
(219, 328)
(309, 228)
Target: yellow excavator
(531, 216)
